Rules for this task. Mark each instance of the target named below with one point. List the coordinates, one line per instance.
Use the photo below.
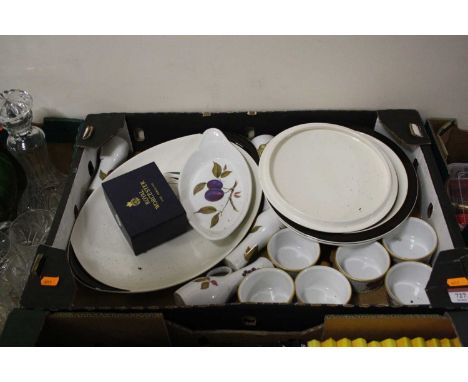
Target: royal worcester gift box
(145, 208)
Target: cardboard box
(133, 328)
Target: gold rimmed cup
(269, 285)
(364, 266)
(415, 240)
(322, 285)
(292, 252)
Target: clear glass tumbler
(27, 232)
(6, 302)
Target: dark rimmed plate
(378, 231)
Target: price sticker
(50, 281)
(458, 295)
(457, 281)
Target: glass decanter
(28, 145)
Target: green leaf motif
(260, 149)
(225, 173)
(206, 210)
(205, 284)
(214, 220)
(255, 228)
(199, 187)
(233, 206)
(217, 170)
(102, 175)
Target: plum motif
(214, 194)
(215, 184)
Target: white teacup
(406, 282)
(292, 252)
(322, 285)
(364, 266)
(266, 285)
(415, 240)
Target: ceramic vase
(266, 225)
(113, 154)
(216, 289)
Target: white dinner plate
(402, 179)
(215, 187)
(103, 252)
(327, 178)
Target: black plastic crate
(405, 127)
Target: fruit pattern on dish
(216, 190)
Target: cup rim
(281, 266)
(422, 258)
(392, 269)
(348, 276)
(327, 269)
(263, 270)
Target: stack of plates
(337, 185)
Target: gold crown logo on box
(134, 202)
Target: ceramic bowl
(415, 240)
(215, 187)
(266, 285)
(364, 266)
(322, 285)
(291, 252)
(406, 282)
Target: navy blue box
(145, 207)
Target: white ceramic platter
(104, 253)
(215, 187)
(327, 178)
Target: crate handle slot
(415, 130)
(88, 132)
(249, 321)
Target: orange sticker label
(50, 281)
(457, 281)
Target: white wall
(75, 76)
